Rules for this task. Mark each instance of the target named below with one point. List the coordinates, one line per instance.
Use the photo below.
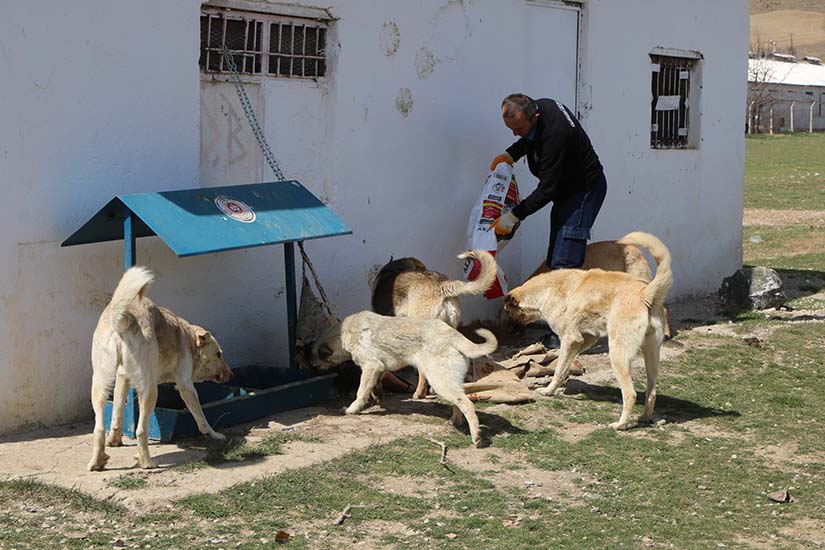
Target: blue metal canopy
(213, 219)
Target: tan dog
(405, 288)
(380, 344)
(583, 306)
(140, 343)
(615, 256)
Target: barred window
(262, 44)
(670, 107)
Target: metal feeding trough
(205, 220)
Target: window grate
(670, 107)
(263, 44)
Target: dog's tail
(486, 275)
(656, 291)
(473, 350)
(131, 287)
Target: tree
(762, 80)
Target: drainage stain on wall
(390, 38)
(404, 102)
(424, 62)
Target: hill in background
(797, 24)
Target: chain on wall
(250, 115)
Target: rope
(308, 263)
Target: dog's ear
(202, 337)
(510, 301)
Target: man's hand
(504, 157)
(503, 225)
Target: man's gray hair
(514, 103)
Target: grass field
(785, 172)
(739, 420)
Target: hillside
(762, 6)
(789, 23)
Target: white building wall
(691, 198)
(104, 99)
(801, 98)
(96, 98)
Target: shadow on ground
(671, 409)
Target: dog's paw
(352, 409)
(148, 464)
(115, 439)
(546, 392)
(98, 463)
(216, 435)
(482, 443)
(621, 426)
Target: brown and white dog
(406, 288)
(380, 344)
(615, 256)
(139, 343)
(582, 306)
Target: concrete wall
(96, 99)
(101, 99)
(691, 198)
(800, 97)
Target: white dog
(379, 344)
(140, 343)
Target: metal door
(551, 53)
(229, 153)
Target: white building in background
(392, 120)
(786, 94)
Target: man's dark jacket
(560, 155)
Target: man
(560, 155)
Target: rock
(781, 496)
(756, 288)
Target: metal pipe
(770, 122)
(792, 106)
(811, 118)
(291, 300)
(750, 119)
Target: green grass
(47, 495)
(128, 481)
(785, 171)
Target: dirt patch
(573, 433)
(366, 535)
(382, 527)
(788, 453)
(712, 432)
(419, 486)
(511, 470)
(59, 456)
(782, 218)
(810, 530)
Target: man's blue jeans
(570, 223)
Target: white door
(229, 152)
(550, 46)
